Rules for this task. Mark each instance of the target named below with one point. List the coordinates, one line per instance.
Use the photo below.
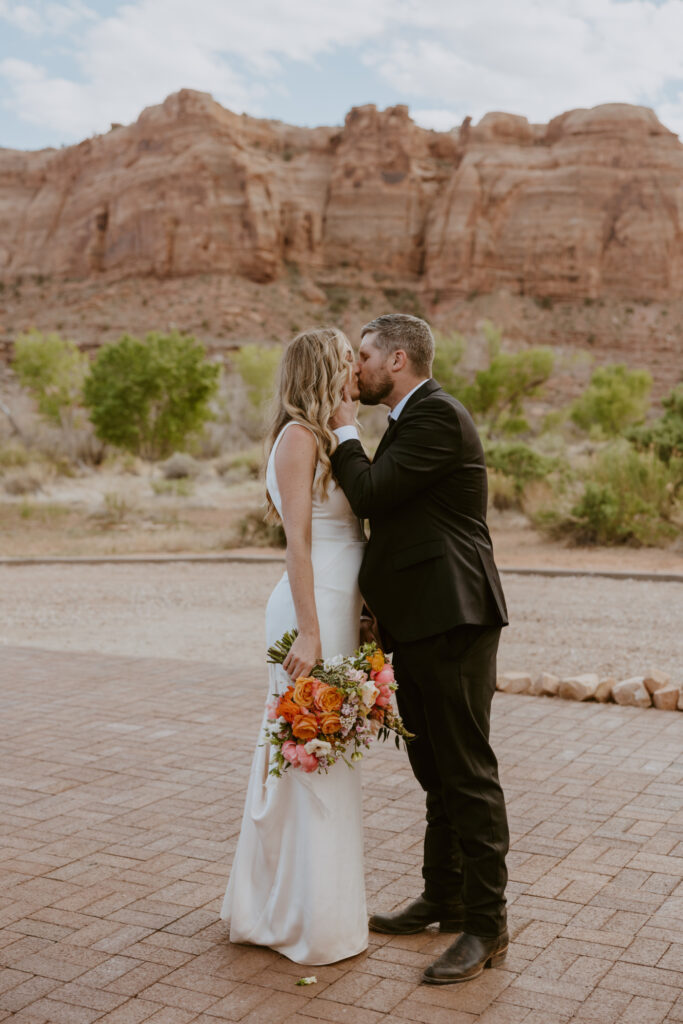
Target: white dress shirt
(350, 432)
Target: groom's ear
(399, 359)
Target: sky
(68, 68)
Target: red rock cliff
(589, 205)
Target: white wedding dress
(297, 883)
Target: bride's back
(333, 520)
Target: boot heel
(497, 958)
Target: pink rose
(271, 711)
(309, 762)
(384, 698)
(385, 675)
(290, 752)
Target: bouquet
(334, 713)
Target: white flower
(369, 693)
(318, 747)
(334, 662)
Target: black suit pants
(445, 687)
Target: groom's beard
(374, 392)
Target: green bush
(518, 461)
(615, 399)
(449, 349)
(665, 435)
(257, 366)
(53, 370)
(149, 396)
(629, 497)
(498, 393)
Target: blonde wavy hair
(311, 378)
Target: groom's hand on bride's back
(369, 631)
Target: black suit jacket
(428, 565)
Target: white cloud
(535, 58)
(439, 119)
(449, 59)
(146, 50)
(44, 17)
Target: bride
(297, 877)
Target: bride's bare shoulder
(297, 448)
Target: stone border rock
(654, 689)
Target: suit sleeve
(427, 446)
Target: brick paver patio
(121, 789)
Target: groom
(431, 582)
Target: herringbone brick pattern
(121, 789)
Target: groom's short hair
(399, 330)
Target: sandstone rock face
(589, 205)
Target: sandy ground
(215, 613)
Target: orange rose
(286, 706)
(377, 714)
(305, 727)
(330, 723)
(328, 698)
(303, 691)
(376, 661)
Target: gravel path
(209, 612)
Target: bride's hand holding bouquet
(333, 713)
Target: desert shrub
(615, 399)
(449, 350)
(628, 497)
(245, 465)
(13, 455)
(665, 435)
(53, 370)
(181, 466)
(338, 298)
(176, 487)
(257, 366)
(253, 531)
(404, 300)
(518, 461)
(148, 396)
(498, 393)
(502, 491)
(115, 510)
(21, 481)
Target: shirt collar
(398, 408)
